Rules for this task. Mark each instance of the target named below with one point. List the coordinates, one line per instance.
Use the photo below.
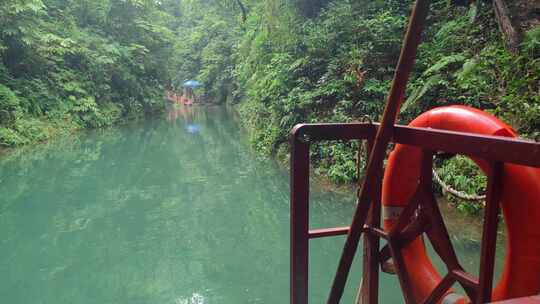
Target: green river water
(172, 210)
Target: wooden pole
(384, 134)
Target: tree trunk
(511, 33)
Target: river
(172, 210)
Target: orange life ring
(520, 205)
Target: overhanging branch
(243, 9)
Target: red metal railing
(411, 223)
(494, 150)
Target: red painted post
(384, 134)
(369, 293)
(299, 238)
(489, 234)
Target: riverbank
(66, 67)
(52, 130)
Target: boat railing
(495, 150)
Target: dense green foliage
(76, 63)
(69, 64)
(338, 67)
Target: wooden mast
(378, 152)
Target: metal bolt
(305, 138)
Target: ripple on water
(195, 298)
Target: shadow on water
(172, 210)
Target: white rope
(459, 194)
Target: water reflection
(186, 115)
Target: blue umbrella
(192, 83)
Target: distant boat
(187, 102)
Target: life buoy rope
(459, 194)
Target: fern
(444, 63)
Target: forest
(68, 65)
